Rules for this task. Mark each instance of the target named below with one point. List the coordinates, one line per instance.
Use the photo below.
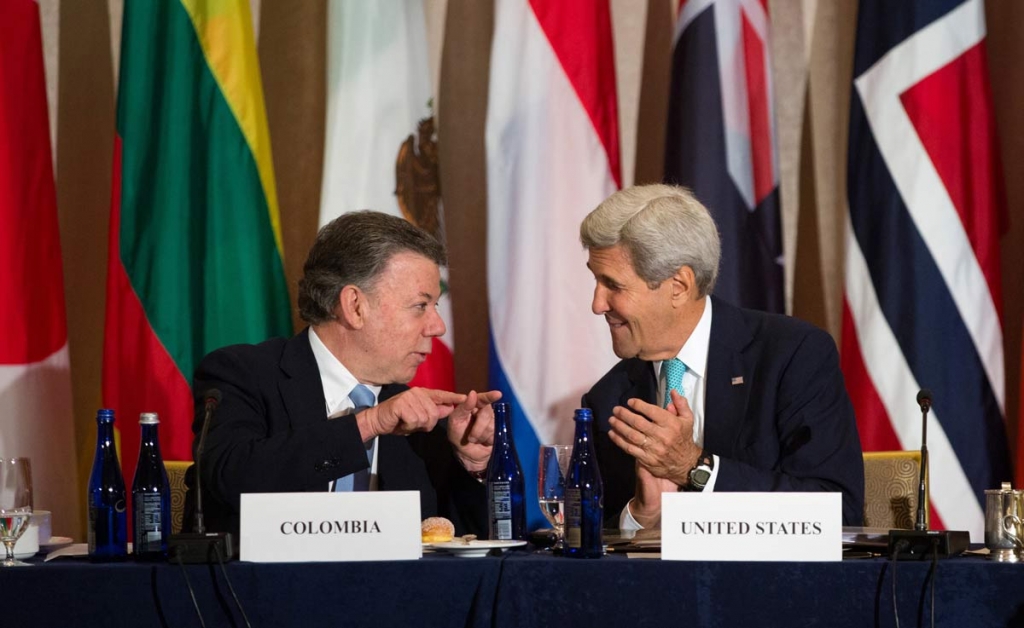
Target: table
(521, 589)
(455, 592)
(635, 593)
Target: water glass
(553, 465)
(15, 504)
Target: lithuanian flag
(195, 259)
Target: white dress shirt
(338, 383)
(694, 355)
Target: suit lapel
(389, 391)
(727, 395)
(301, 391)
(643, 385)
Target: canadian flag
(35, 384)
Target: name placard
(752, 526)
(327, 527)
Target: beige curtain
(812, 48)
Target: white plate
(475, 549)
(55, 543)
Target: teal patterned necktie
(673, 370)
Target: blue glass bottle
(151, 495)
(108, 516)
(584, 493)
(506, 488)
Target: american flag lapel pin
(736, 381)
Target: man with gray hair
(328, 409)
(707, 396)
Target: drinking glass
(15, 504)
(553, 465)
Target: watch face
(699, 477)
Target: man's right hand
(414, 410)
(645, 507)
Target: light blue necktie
(673, 370)
(362, 397)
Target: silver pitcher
(1004, 527)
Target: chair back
(891, 480)
(176, 475)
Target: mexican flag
(380, 149)
(195, 258)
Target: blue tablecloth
(521, 590)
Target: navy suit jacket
(271, 434)
(787, 425)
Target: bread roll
(437, 530)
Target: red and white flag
(35, 383)
(552, 157)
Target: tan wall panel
(1006, 67)
(462, 114)
(652, 110)
(84, 157)
(292, 51)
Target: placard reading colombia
(330, 527)
(354, 526)
(752, 526)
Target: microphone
(920, 542)
(210, 402)
(924, 400)
(201, 547)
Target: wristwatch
(700, 474)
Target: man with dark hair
(328, 409)
(707, 397)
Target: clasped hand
(661, 440)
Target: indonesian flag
(381, 150)
(552, 157)
(35, 384)
(923, 297)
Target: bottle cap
(148, 418)
(584, 414)
(104, 415)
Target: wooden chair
(891, 480)
(176, 474)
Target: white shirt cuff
(710, 486)
(626, 520)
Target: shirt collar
(694, 353)
(337, 380)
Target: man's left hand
(661, 439)
(471, 430)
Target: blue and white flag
(721, 141)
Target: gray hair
(663, 228)
(353, 249)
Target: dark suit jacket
(271, 434)
(789, 426)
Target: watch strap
(705, 460)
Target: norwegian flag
(721, 141)
(923, 302)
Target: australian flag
(923, 305)
(721, 141)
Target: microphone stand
(921, 543)
(201, 547)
